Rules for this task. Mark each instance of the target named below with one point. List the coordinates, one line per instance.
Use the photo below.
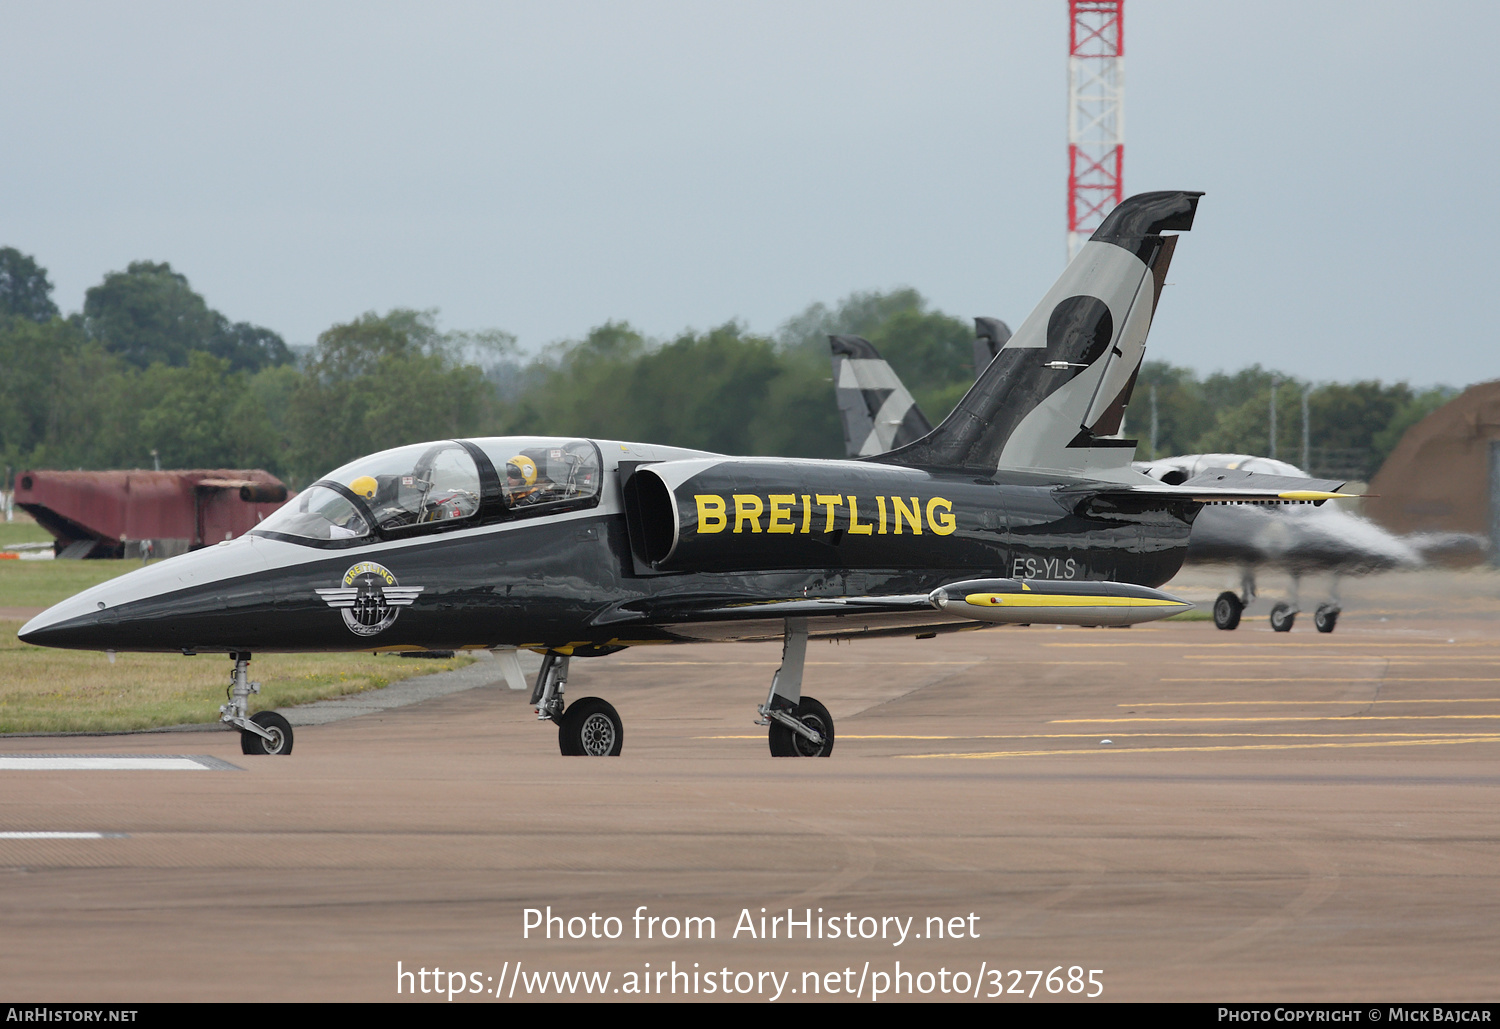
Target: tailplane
(1055, 394)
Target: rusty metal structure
(1444, 475)
(146, 513)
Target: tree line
(148, 371)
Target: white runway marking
(63, 836)
(113, 762)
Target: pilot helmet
(364, 486)
(521, 467)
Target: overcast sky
(544, 167)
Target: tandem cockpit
(440, 486)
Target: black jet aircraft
(1019, 508)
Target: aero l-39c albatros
(579, 548)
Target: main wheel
(1282, 617)
(1326, 617)
(1227, 610)
(786, 743)
(279, 728)
(590, 727)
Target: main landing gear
(589, 727)
(1228, 607)
(800, 726)
(266, 732)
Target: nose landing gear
(267, 732)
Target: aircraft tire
(1282, 617)
(1326, 617)
(1227, 611)
(274, 724)
(590, 727)
(785, 743)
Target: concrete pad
(1279, 817)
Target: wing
(339, 597)
(969, 604)
(400, 596)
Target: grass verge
(44, 690)
(44, 583)
(22, 530)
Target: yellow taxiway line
(1427, 742)
(1346, 678)
(1254, 703)
(1109, 720)
(1116, 735)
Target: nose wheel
(275, 736)
(265, 733)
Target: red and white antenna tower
(1096, 115)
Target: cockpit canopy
(445, 484)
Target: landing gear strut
(589, 727)
(267, 732)
(800, 726)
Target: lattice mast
(1096, 114)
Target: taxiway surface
(1277, 816)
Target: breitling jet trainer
(1020, 508)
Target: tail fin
(877, 411)
(1056, 393)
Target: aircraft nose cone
(67, 624)
(165, 606)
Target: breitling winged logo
(369, 598)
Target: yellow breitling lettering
(880, 503)
(942, 525)
(711, 516)
(854, 526)
(806, 513)
(780, 520)
(830, 501)
(912, 514)
(747, 508)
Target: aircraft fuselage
(587, 578)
